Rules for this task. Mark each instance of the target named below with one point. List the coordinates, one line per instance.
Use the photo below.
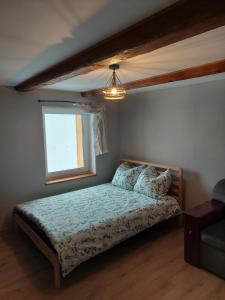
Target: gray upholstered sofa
(213, 248)
(213, 239)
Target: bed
(71, 228)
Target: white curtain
(100, 132)
(98, 122)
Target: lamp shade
(114, 90)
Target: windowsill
(69, 178)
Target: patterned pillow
(153, 186)
(126, 176)
(150, 171)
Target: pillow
(126, 176)
(153, 186)
(150, 171)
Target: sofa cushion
(214, 235)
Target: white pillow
(126, 176)
(153, 186)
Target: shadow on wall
(194, 190)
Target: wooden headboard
(176, 189)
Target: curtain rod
(64, 101)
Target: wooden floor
(149, 266)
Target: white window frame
(88, 144)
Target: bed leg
(57, 275)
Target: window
(68, 143)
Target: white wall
(184, 126)
(22, 164)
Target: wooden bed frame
(176, 191)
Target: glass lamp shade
(114, 90)
(114, 93)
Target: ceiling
(35, 34)
(198, 50)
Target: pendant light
(114, 90)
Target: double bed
(71, 228)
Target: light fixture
(114, 90)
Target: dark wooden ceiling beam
(194, 72)
(184, 19)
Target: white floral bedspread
(83, 223)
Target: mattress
(84, 223)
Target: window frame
(87, 141)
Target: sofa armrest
(207, 213)
(195, 220)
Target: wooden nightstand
(195, 220)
